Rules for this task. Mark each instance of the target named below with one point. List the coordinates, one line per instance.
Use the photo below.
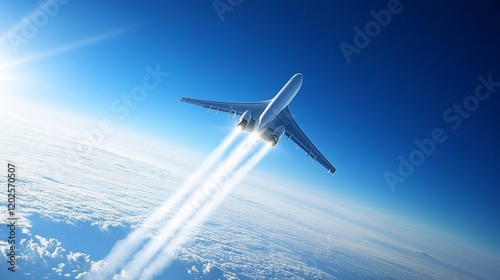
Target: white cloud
(206, 268)
(40, 247)
(51, 257)
(262, 230)
(78, 258)
(26, 231)
(4, 248)
(59, 269)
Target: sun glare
(6, 73)
(2, 60)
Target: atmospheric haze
(258, 230)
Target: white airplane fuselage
(279, 102)
(270, 119)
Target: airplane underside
(268, 133)
(270, 118)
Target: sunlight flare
(62, 49)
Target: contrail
(167, 255)
(123, 248)
(63, 48)
(208, 189)
(25, 21)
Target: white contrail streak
(123, 248)
(208, 189)
(25, 21)
(62, 48)
(167, 255)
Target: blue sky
(362, 115)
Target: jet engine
(244, 120)
(276, 135)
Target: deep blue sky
(362, 115)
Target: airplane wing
(236, 108)
(293, 131)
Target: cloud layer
(261, 231)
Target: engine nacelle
(244, 120)
(276, 135)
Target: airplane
(270, 118)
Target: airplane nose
(298, 78)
